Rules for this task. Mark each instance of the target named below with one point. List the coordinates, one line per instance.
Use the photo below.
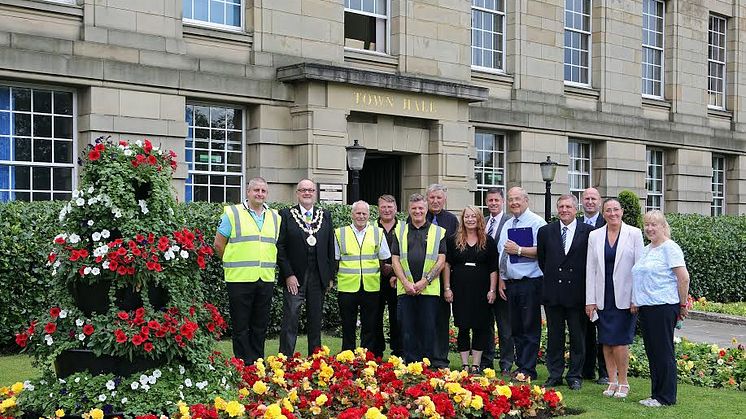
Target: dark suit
(314, 268)
(563, 296)
(593, 351)
(502, 317)
(440, 358)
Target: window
(579, 170)
(652, 48)
(716, 63)
(214, 153)
(654, 180)
(366, 25)
(489, 169)
(487, 34)
(36, 144)
(718, 185)
(577, 41)
(219, 13)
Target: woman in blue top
(659, 290)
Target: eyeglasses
(306, 190)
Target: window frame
(74, 140)
(660, 50)
(503, 46)
(715, 209)
(723, 64)
(387, 31)
(219, 26)
(481, 188)
(570, 172)
(244, 150)
(649, 162)
(589, 35)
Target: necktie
(308, 217)
(491, 228)
(435, 219)
(564, 239)
(589, 222)
(515, 222)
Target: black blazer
(600, 222)
(564, 275)
(292, 256)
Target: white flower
(174, 248)
(113, 393)
(74, 238)
(210, 367)
(143, 379)
(76, 194)
(145, 387)
(135, 385)
(127, 152)
(95, 271)
(63, 213)
(90, 189)
(77, 379)
(49, 340)
(96, 236)
(90, 223)
(184, 254)
(676, 339)
(124, 400)
(80, 202)
(105, 233)
(118, 214)
(63, 314)
(188, 382)
(170, 211)
(151, 380)
(143, 206)
(28, 386)
(157, 373)
(222, 381)
(168, 255)
(105, 265)
(139, 143)
(102, 397)
(181, 395)
(182, 370)
(57, 263)
(81, 336)
(201, 385)
(79, 322)
(87, 270)
(110, 385)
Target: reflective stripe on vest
(434, 235)
(251, 255)
(358, 263)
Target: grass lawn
(693, 402)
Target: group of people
(592, 274)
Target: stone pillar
(619, 166)
(735, 185)
(686, 58)
(449, 163)
(688, 181)
(538, 35)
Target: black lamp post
(355, 161)
(548, 170)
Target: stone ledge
(717, 317)
(656, 103)
(587, 92)
(330, 73)
(385, 61)
(496, 77)
(213, 33)
(717, 113)
(46, 7)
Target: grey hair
(568, 197)
(435, 187)
(523, 192)
(358, 203)
(416, 197)
(253, 181)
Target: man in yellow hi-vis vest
(246, 240)
(418, 255)
(360, 249)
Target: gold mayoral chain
(308, 228)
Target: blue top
(653, 279)
(526, 269)
(225, 229)
(609, 260)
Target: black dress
(470, 282)
(615, 326)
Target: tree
(630, 203)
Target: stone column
(688, 181)
(735, 185)
(619, 166)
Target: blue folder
(523, 237)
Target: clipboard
(524, 237)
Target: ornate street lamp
(548, 170)
(355, 161)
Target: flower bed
(732, 309)
(348, 385)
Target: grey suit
(502, 317)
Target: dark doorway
(381, 174)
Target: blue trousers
(418, 316)
(657, 324)
(524, 300)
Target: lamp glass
(355, 156)
(548, 170)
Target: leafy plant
(630, 203)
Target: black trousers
(310, 292)
(506, 345)
(477, 341)
(658, 323)
(557, 318)
(524, 300)
(249, 306)
(442, 327)
(350, 304)
(417, 323)
(387, 298)
(594, 353)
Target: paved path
(712, 332)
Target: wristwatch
(429, 278)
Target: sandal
(622, 394)
(611, 390)
(476, 370)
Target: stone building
(646, 95)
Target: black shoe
(604, 381)
(574, 384)
(552, 382)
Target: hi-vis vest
(250, 254)
(434, 234)
(357, 262)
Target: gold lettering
(406, 105)
(432, 106)
(390, 101)
(357, 97)
(377, 100)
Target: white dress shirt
(591, 220)
(496, 224)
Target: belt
(525, 278)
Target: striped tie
(491, 228)
(564, 239)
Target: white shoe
(650, 403)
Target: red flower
(147, 147)
(123, 143)
(152, 160)
(123, 315)
(398, 412)
(122, 270)
(201, 262)
(721, 353)
(99, 147)
(59, 240)
(154, 325)
(94, 155)
(137, 340)
(54, 312)
(147, 347)
(88, 329)
(50, 328)
(21, 339)
(120, 335)
(52, 257)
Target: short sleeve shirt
(416, 248)
(654, 282)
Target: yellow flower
(4, 390)
(489, 373)
(243, 391)
(220, 403)
(394, 360)
(259, 387)
(374, 413)
(59, 413)
(183, 408)
(273, 411)
(7, 404)
(538, 390)
(315, 410)
(293, 395)
(477, 402)
(483, 381)
(415, 368)
(360, 352)
(453, 388)
(234, 408)
(369, 371)
(287, 405)
(504, 391)
(559, 395)
(321, 400)
(734, 341)
(436, 382)
(426, 361)
(17, 387)
(689, 365)
(714, 348)
(346, 356)
(97, 414)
